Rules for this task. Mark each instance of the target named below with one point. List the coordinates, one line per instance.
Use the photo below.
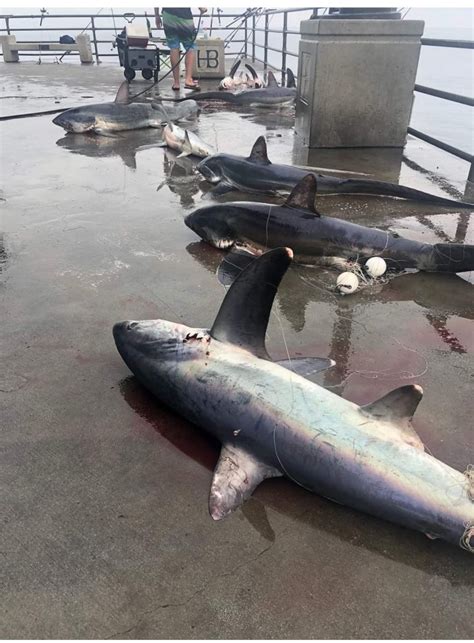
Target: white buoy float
(375, 267)
(347, 283)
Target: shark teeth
(223, 243)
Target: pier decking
(105, 526)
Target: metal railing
(243, 29)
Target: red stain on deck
(186, 437)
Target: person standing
(178, 25)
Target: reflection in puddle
(122, 144)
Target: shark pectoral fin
(242, 319)
(222, 188)
(232, 265)
(122, 95)
(398, 408)
(259, 152)
(303, 195)
(306, 366)
(236, 476)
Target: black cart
(135, 51)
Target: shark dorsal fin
(398, 408)
(236, 476)
(242, 319)
(290, 78)
(303, 194)
(271, 80)
(259, 152)
(122, 95)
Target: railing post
(283, 53)
(265, 46)
(7, 25)
(95, 41)
(253, 38)
(246, 37)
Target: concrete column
(10, 53)
(355, 81)
(83, 43)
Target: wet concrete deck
(105, 528)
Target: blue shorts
(178, 30)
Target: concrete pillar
(210, 60)
(355, 81)
(83, 43)
(10, 53)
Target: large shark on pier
(315, 238)
(122, 115)
(273, 421)
(256, 173)
(270, 96)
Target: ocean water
(439, 67)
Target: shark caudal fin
(450, 257)
(303, 195)
(258, 153)
(123, 95)
(290, 78)
(187, 147)
(234, 68)
(243, 317)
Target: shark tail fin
(243, 317)
(452, 257)
(187, 147)
(252, 71)
(234, 68)
(290, 78)
(236, 476)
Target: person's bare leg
(174, 57)
(188, 66)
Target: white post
(10, 52)
(83, 42)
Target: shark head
(213, 224)
(151, 347)
(76, 120)
(211, 168)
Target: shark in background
(256, 173)
(318, 239)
